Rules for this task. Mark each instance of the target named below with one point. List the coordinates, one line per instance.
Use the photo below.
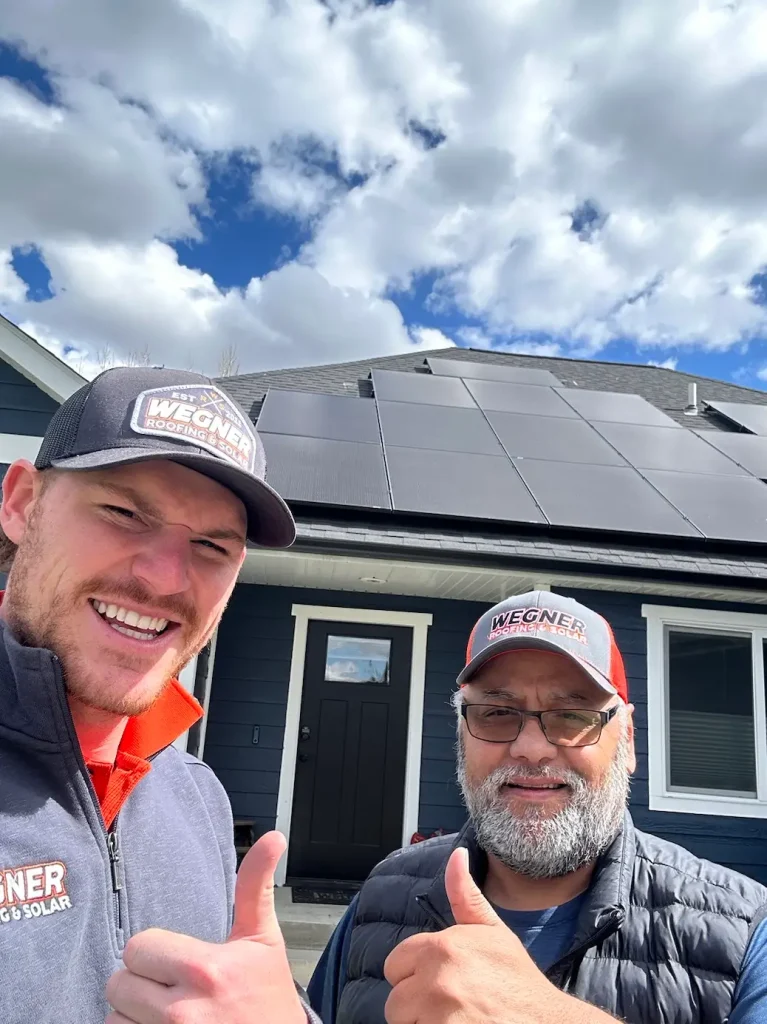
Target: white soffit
(452, 582)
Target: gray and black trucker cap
(134, 414)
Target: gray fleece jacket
(70, 893)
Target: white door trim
(304, 614)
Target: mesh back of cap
(61, 435)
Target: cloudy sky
(297, 181)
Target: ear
(632, 757)
(21, 487)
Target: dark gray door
(350, 769)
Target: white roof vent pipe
(691, 409)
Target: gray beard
(539, 845)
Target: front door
(350, 769)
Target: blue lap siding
(250, 687)
(24, 408)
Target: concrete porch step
(306, 929)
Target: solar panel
(494, 396)
(613, 407)
(661, 448)
(550, 437)
(601, 498)
(333, 417)
(722, 507)
(747, 450)
(459, 484)
(328, 472)
(396, 386)
(750, 417)
(491, 371)
(437, 427)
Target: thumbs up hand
(169, 977)
(476, 972)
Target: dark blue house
(428, 487)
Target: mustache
(525, 773)
(174, 606)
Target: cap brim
(521, 643)
(270, 522)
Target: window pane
(711, 713)
(354, 659)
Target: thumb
(468, 904)
(254, 915)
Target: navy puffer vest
(660, 938)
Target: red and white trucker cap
(544, 621)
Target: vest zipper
(569, 960)
(431, 912)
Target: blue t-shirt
(545, 934)
(750, 1005)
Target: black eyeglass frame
(604, 718)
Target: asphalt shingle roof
(665, 389)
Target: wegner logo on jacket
(34, 890)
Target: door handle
(303, 758)
(305, 734)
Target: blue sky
(289, 187)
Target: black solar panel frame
(312, 414)
(492, 371)
(748, 450)
(732, 508)
(615, 407)
(425, 389)
(328, 472)
(437, 428)
(459, 485)
(551, 438)
(750, 416)
(611, 498)
(532, 399)
(646, 447)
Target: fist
(174, 978)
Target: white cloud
(665, 364)
(762, 373)
(12, 288)
(653, 113)
(141, 299)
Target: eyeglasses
(495, 723)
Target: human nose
(163, 562)
(531, 743)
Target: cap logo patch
(201, 415)
(536, 620)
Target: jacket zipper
(113, 848)
(110, 834)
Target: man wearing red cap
(549, 905)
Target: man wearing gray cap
(117, 863)
(549, 905)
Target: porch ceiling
(453, 582)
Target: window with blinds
(711, 735)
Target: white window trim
(19, 446)
(304, 614)
(658, 618)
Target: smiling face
(544, 810)
(123, 573)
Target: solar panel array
(752, 418)
(463, 446)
